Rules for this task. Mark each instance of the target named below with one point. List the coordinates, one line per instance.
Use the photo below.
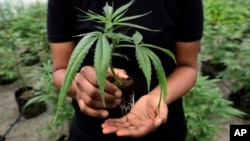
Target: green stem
(126, 45)
(117, 80)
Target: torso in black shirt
(178, 20)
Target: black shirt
(178, 20)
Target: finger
(133, 131)
(138, 126)
(84, 84)
(95, 101)
(113, 125)
(125, 127)
(88, 72)
(99, 113)
(120, 73)
(118, 122)
(109, 129)
(92, 96)
(162, 114)
(123, 132)
(113, 89)
(157, 122)
(100, 104)
(88, 81)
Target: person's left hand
(143, 118)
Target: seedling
(106, 39)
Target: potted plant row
(24, 92)
(206, 109)
(20, 46)
(222, 35)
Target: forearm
(184, 76)
(58, 77)
(61, 53)
(181, 80)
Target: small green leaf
(108, 11)
(137, 37)
(122, 9)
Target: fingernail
(123, 76)
(159, 122)
(105, 114)
(118, 94)
(126, 76)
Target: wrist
(157, 91)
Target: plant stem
(117, 80)
(126, 46)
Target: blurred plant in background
(27, 33)
(206, 109)
(8, 61)
(46, 92)
(225, 25)
(226, 43)
(24, 46)
(225, 22)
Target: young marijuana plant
(206, 109)
(106, 40)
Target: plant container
(212, 69)
(241, 101)
(22, 96)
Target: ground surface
(28, 129)
(25, 129)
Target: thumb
(120, 73)
(161, 114)
(158, 121)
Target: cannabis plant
(106, 40)
(206, 109)
(8, 74)
(42, 75)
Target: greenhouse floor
(29, 129)
(25, 129)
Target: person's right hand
(88, 95)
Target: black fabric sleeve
(59, 21)
(190, 25)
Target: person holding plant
(180, 26)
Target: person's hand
(143, 118)
(88, 95)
